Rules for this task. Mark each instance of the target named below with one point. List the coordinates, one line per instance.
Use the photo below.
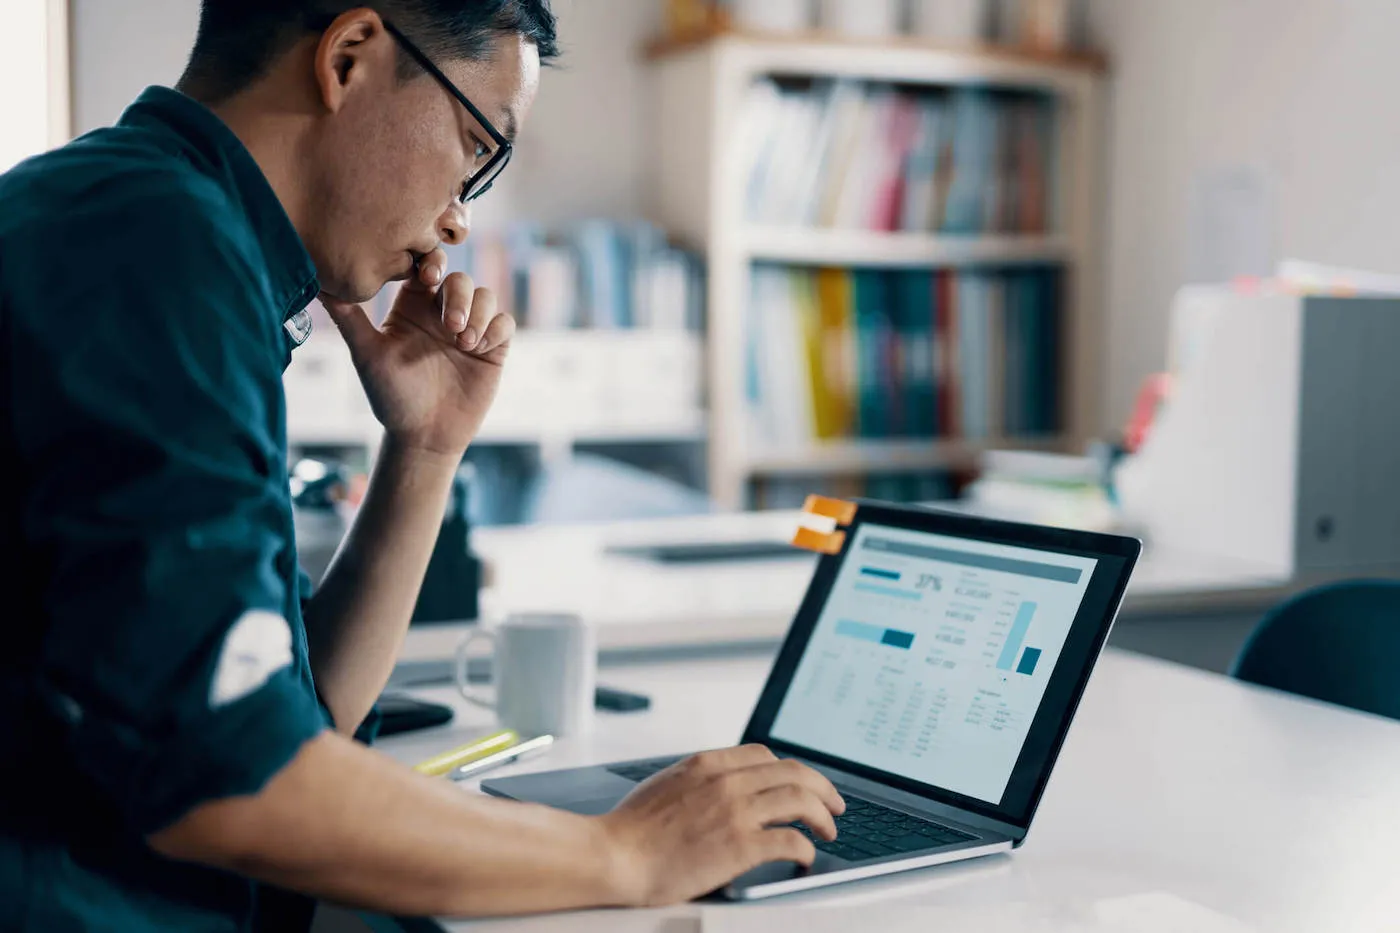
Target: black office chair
(1338, 643)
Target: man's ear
(350, 51)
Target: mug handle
(462, 668)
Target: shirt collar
(215, 151)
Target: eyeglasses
(483, 178)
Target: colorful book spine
(873, 157)
(600, 274)
(872, 354)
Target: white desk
(1277, 812)
(641, 606)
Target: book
(835, 299)
(845, 154)
(599, 274)
(875, 354)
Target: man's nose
(455, 223)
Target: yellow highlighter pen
(466, 754)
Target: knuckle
(698, 764)
(796, 769)
(784, 795)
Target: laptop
(931, 673)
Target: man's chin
(350, 294)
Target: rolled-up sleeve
(157, 510)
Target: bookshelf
(703, 83)
(860, 456)
(833, 247)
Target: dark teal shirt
(148, 275)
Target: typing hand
(704, 821)
(431, 372)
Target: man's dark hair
(238, 40)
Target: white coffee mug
(544, 667)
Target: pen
(466, 754)
(515, 753)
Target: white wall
(120, 48)
(1302, 91)
(33, 88)
(581, 154)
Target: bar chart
(931, 655)
(875, 634)
(1015, 639)
(880, 581)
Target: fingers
(432, 272)
(498, 333)
(792, 803)
(789, 773)
(483, 310)
(472, 316)
(456, 297)
(784, 845)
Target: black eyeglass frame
(497, 163)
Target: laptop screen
(931, 657)
(945, 655)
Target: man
(178, 712)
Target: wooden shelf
(702, 80)
(887, 456)
(688, 430)
(1085, 61)
(829, 247)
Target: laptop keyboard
(865, 831)
(869, 831)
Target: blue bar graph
(897, 639)
(875, 634)
(1028, 659)
(882, 574)
(887, 591)
(1016, 636)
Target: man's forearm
(345, 824)
(357, 619)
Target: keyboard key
(849, 853)
(873, 827)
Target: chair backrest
(1338, 643)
